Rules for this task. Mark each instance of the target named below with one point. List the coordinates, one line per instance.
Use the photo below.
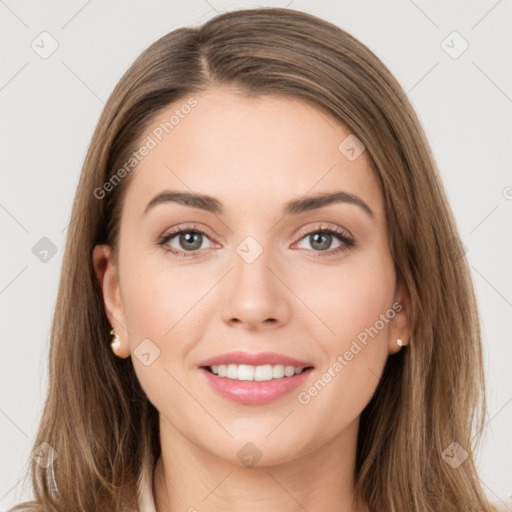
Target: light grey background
(50, 108)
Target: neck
(187, 477)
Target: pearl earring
(116, 342)
(399, 342)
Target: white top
(146, 498)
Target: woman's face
(252, 274)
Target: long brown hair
(97, 417)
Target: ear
(108, 278)
(400, 327)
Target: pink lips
(254, 392)
(255, 359)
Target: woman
(261, 233)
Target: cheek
(158, 298)
(354, 297)
(164, 303)
(358, 311)
(159, 307)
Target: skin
(253, 155)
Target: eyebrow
(293, 207)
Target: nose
(255, 296)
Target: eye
(188, 240)
(183, 241)
(321, 238)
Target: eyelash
(347, 241)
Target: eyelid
(186, 227)
(323, 226)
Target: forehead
(248, 151)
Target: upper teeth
(258, 373)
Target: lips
(253, 392)
(259, 359)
